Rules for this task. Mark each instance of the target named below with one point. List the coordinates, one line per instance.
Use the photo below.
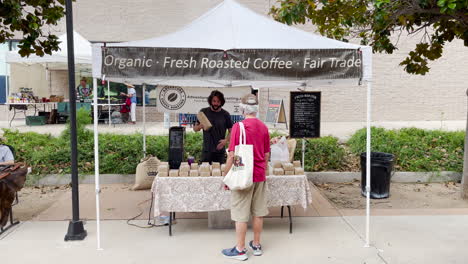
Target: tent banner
(189, 100)
(236, 64)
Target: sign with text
(190, 100)
(305, 115)
(235, 64)
(275, 112)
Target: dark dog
(12, 179)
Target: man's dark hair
(218, 94)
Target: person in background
(147, 97)
(101, 90)
(84, 90)
(125, 109)
(252, 200)
(6, 155)
(214, 139)
(131, 93)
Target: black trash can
(381, 172)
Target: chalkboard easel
(276, 113)
(304, 116)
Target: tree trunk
(464, 189)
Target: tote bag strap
(242, 135)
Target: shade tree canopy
(375, 22)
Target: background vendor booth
(47, 78)
(47, 75)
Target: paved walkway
(322, 234)
(394, 239)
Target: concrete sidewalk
(395, 239)
(320, 235)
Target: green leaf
(441, 3)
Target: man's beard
(215, 107)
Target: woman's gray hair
(248, 109)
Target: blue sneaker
(257, 250)
(233, 253)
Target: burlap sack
(145, 173)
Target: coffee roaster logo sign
(172, 97)
(189, 100)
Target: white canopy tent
(230, 26)
(58, 60)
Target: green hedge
(415, 150)
(321, 154)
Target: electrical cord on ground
(149, 224)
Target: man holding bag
(252, 200)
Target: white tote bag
(240, 176)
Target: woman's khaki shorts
(245, 202)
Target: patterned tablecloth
(204, 194)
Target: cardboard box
(204, 168)
(205, 174)
(278, 171)
(277, 164)
(299, 171)
(216, 172)
(162, 174)
(184, 168)
(288, 166)
(163, 168)
(297, 164)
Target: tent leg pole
(7, 88)
(96, 166)
(368, 162)
(303, 153)
(108, 102)
(144, 120)
(7, 92)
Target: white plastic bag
(280, 151)
(240, 176)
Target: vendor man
(214, 139)
(84, 90)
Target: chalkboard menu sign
(305, 115)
